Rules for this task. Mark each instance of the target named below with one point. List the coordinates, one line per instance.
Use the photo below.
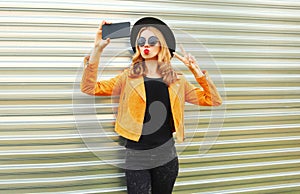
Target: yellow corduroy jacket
(132, 100)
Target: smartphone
(116, 30)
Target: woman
(151, 104)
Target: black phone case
(116, 30)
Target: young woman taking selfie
(151, 102)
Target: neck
(152, 67)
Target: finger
(182, 59)
(107, 41)
(193, 58)
(179, 57)
(107, 22)
(190, 57)
(103, 23)
(182, 50)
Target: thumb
(106, 42)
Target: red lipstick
(146, 51)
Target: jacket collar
(138, 85)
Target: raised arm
(89, 84)
(208, 95)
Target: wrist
(97, 49)
(198, 73)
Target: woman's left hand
(190, 62)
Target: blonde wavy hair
(138, 67)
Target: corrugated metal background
(254, 46)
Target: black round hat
(157, 23)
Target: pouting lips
(146, 51)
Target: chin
(147, 57)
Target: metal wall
(254, 57)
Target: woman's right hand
(99, 43)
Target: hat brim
(157, 23)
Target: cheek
(156, 50)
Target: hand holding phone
(115, 30)
(99, 43)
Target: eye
(152, 40)
(141, 41)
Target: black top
(157, 121)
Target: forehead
(147, 33)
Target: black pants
(158, 180)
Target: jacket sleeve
(91, 86)
(208, 95)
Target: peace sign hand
(190, 62)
